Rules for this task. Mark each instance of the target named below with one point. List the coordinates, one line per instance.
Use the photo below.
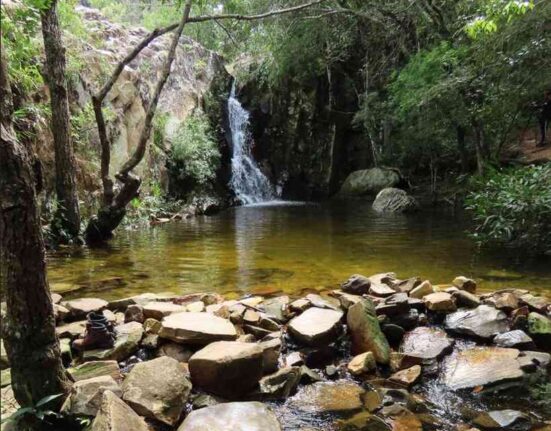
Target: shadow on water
(288, 247)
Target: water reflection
(288, 248)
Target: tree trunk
(462, 149)
(480, 146)
(67, 218)
(101, 227)
(29, 327)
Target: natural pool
(288, 248)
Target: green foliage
(542, 394)
(495, 13)
(20, 30)
(513, 207)
(195, 156)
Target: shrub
(513, 206)
(195, 157)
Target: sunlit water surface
(290, 248)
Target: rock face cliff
(198, 80)
(304, 134)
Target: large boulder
(227, 368)
(158, 389)
(369, 181)
(316, 326)
(366, 332)
(246, 416)
(86, 395)
(196, 328)
(425, 343)
(481, 366)
(483, 321)
(115, 415)
(392, 200)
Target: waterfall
(248, 182)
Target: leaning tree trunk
(101, 227)
(29, 326)
(67, 218)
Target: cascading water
(248, 182)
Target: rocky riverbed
(379, 353)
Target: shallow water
(287, 248)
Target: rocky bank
(380, 353)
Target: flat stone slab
(316, 326)
(71, 330)
(341, 397)
(246, 416)
(483, 322)
(227, 368)
(426, 343)
(516, 338)
(79, 308)
(196, 328)
(158, 310)
(481, 366)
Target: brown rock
(464, 283)
(440, 301)
(408, 376)
(115, 415)
(362, 363)
(196, 328)
(316, 326)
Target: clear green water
(290, 249)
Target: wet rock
(308, 376)
(196, 328)
(158, 310)
(152, 326)
(319, 357)
(440, 301)
(158, 389)
(341, 397)
(426, 343)
(279, 385)
(407, 321)
(175, 351)
(425, 288)
(407, 377)
(276, 308)
(369, 181)
(128, 337)
(331, 372)
(356, 285)
(506, 301)
(321, 302)
(225, 368)
(79, 308)
(392, 200)
(465, 299)
(530, 360)
(483, 322)
(408, 285)
(482, 366)
(86, 395)
(93, 369)
(271, 350)
(372, 400)
(237, 416)
(71, 330)
(150, 341)
(365, 331)
(195, 307)
(316, 326)
(535, 303)
(362, 363)
(346, 300)
(134, 313)
(115, 415)
(300, 305)
(200, 401)
(381, 289)
(393, 333)
(393, 305)
(503, 419)
(294, 358)
(401, 361)
(256, 331)
(464, 283)
(539, 327)
(516, 338)
(268, 323)
(363, 421)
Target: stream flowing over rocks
(380, 353)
